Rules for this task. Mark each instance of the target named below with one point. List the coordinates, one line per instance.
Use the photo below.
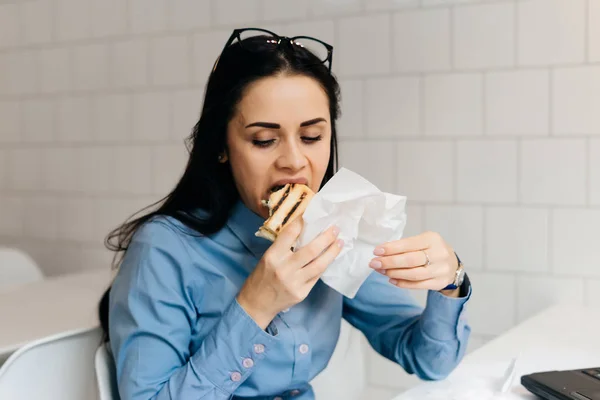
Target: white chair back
(60, 367)
(17, 268)
(106, 374)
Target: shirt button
(259, 348)
(303, 348)
(295, 392)
(236, 376)
(248, 363)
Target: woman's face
(280, 133)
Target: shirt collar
(244, 223)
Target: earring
(221, 158)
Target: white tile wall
(592, 292)
(360, 54)
(427, 181)
(37, 22)
(334, 7)
(21, 73)
(484, 113)
(536, 293)
(170, 63)
(517, 103)
(151, 116)
(189, 14)
(109, 17)
(186, 106)
(73, 19)
(576, 99)
(486, 171)
(370, 159)
(575, 250)
(10, 115)
(523, 231)
(422, 40)
(392, 107)
(493, 311)
(38, 120)
(484, 35)
(90, 67)
(56, 70)
(130, 66)
(553, 171)
(74, 119)
(112, 118)
(462, 226)
(594, 30)
(234, 12)
(60, 170)
(594, 171)
(551, 32)
(453, 105)
(286, 9)
(148, 15)
(10, 35)
(351, 123)
(11, 215)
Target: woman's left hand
(424, 261)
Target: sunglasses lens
(315, 47)
(250, 38)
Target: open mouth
(276, 188)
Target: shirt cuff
(233, 349)
(444, 316)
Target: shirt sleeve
(428, 342)
(153, 313)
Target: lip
(282, 182)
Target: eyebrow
(272, 125)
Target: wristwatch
(459, 277)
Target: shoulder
(157, 255)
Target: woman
(202, 308)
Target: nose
(291, 157)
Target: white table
(54, 305)
(562, 337)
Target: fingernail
(335, 230)
(375, 264)
(379, 251)
(393, 281)
(340, 243)
(381, 271)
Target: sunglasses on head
(322, 51)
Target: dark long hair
(207, 184)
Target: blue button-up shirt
(177, 331)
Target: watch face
(460, 277)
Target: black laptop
(577, 384)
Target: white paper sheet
(366, 216)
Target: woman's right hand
(283, 278)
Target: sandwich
(285, 204)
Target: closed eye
(312, 139)
(263, 143)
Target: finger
(432, 284)
(410, 274)
(413, 243)
(407, 260)
(313, 271)
(317, 246)
(286, 239)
